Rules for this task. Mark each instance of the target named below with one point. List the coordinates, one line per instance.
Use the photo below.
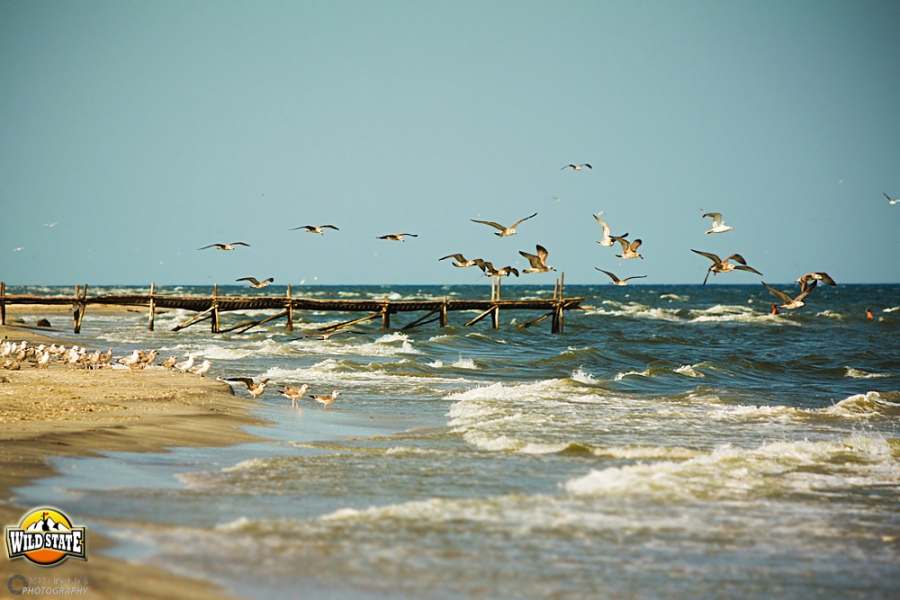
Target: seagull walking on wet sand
(395, 237)
(616, 280)
(724, 266)
(718, 225)
(629, 250)
(891, 200)
(789, 303)
(460, 261)
(224, 246)
(607, 239)
(538, 262)
(328, 400)
(256, 389)
(202, 369)
(257, 284)
(504, 231)
(577, 167)
(295, 393)
(314, 228)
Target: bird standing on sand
(723, 266)
(169, 362)
(460, 261)
(327, 401)
(718, 226)
(224, 246)
(616, 280)
(295, 393)
(538, 262)
(504, 231)
(577, 167)
(132, 360)
(629, 250)
(255, 389)
(314, 228)
(788, 302)
(396, 237)
(186, 365)
(257, 284)
(202, 369)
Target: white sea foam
(892, 309)
(580, 376)
(621, 376)
(689, 371)
(860, 374)
(830, 314)
(675, 298)
(465, 363)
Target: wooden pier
(210, 308)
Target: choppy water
(675, 441)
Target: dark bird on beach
(577, 167)
(257, 284)
(504, 231)
(724, 266)
(315, 228)
(224, 246)
(616, 280)
(255, 389)
(789, 303)
(396, 237)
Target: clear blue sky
(146, 130)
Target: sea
(673, 442)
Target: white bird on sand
(788, 302)
(257, 284)
(577, 167)
(504, 231)
(616, 280)
(629, 249)
(295, 393)
(607, 239)
(132, 360)
(314, 228)
(202, 369)
(327, 401)
(224, 246)
(538, 262)
(255, 389)
(460, 261)
(395, 237)
(718, 226)
(891, 200)
(184, 366)
(724, 266)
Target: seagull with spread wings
(724, 266)
(396, 237)
(718, 225)
(788, 302)
(224, 246)
(577, 167)
(538, 261)
(504, 231)
(607, 239)
(460, 261)
(616, 280)
(314, 228)
(257, 284)
(629, 249)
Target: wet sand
(73, 412)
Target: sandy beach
(67, 412)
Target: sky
(134, 133)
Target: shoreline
(60, 412)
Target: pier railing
(210, 307)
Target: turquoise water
(674, 442)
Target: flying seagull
(717, 225)
(616, 280)
(489, 269)
(315, 228)
(504, 231)
(823, 277)
(891, 200)
(629, 250)
(396, 237)
(460, 261)
(723, 266)
(607, 239)
(50, 224)
(788, 302)
(224, 246)
(577, 167)
(538, 262)
(257, 284)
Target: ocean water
(673, 442)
